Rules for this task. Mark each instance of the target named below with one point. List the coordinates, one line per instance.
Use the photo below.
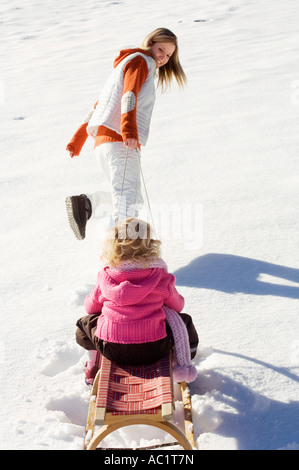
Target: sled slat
(189, 428)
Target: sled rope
(145, 189)
(147, 198)
(122, 183)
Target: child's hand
(131, 143)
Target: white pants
(121, 168)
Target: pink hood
(129, 287)
(131, 302)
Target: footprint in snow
(77, 297)
(73, 407)
(62, 356)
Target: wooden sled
(129, 395)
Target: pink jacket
(131, 300)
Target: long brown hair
(173, 67)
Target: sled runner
(130, 395)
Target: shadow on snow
(236, 274)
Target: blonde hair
(130, 240)
(173, 67)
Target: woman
(119, 122)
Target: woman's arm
(135, 74)
(76, 143)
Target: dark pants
(134, 354)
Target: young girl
(119, 122)
(133, 308)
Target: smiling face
(162, 51)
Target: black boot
(79, 212)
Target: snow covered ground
(224, 150)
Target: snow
(222, 160)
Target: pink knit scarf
(184, 371)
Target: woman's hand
(132, 144)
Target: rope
(148, 203)
(122, 183)
(145, 189)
